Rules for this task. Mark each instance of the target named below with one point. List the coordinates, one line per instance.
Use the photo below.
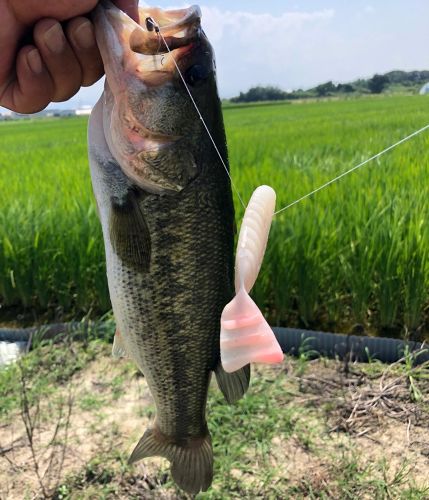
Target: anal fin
(233, 385)
(191, 458)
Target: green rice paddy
(356, 252)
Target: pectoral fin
(129, 233)
(118, 349)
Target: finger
(32, 89)
(30, 11)
(59, 58)
(81, 35)
(130, 7)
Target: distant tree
(240, 98)
(378, 83)
(325, 89)
(260, 93)
(345, 87)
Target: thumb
(130, 7)
(30, 11)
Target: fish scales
(172, 312)
(167, 215)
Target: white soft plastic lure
(245, 336)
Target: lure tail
(245, 335)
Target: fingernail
(84, 35)
(54, 39)
(35, 61)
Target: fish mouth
(131, 49)
(179, 28)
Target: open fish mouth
(148, 118)
(179, 28)
(136, 49)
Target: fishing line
(311, 193)
(335, 179)
(158, 31)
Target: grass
(354, 253)
(47, 370)
(50, 367)
(277, 442)
(51, 252)
(357, 251)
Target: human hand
(48, 51)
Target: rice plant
(356, 252)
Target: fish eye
(197, 74)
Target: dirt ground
(345, 421)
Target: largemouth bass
(167, 216)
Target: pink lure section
(245, 336)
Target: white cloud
(301, 49)
(261, 48)
(247, 25)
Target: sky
(301, 43)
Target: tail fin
(191, 459)
(245, 336)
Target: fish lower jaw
(144, 139)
